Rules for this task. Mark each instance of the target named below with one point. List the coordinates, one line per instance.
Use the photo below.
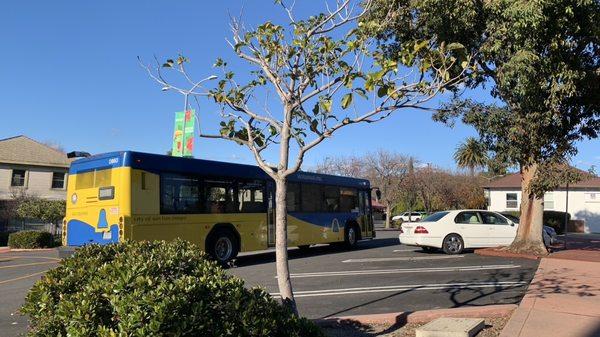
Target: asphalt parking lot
(18, 272)
(380, 276)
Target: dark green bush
(4, 238)
(30, 239)
(153, 289)
(556, 220)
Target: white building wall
(38, 182)
(582, 206)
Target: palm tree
(471, 154)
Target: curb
(501, 253)
(487, 311)
(30, 249)
(9, 250)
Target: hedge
(30, 239)
(556, 220)
(4, 238)
(153, 289)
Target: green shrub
(153, 289)
(556, 220)
(30, 239)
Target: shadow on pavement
(469, 294)
(268, 257)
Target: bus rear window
(96, 178)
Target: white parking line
(407, 258)
(404, 250)
(404, 271)
(416, 287)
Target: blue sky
(70, 76)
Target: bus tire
(222, 245)
(351, 235)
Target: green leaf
(313, 125)
(325, 104)
(420, 45)
(382, 91)
(346, 100)
(361, 92)
(168, 64)
(455, 45)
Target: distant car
(549, 234)
(409, 216)
(453, 231)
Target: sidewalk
(563, 299)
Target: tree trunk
(388, 213)
(529, 237)
(281, 253)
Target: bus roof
(162, 163)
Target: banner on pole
(183, 137)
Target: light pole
(186, 105)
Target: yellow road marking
(26, 264)
(22, 277)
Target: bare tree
(343, 166)
(303, 68)
(387, 171)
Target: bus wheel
(222, 246)
(350, 236)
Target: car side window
(468, 218)
(493, 219)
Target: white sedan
(453, 231)
(408, 216)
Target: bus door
(364, 205)
(271, 214)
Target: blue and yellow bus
(225, 208)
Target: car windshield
(435, 217)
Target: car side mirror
(512, 224)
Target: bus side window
(251, 196)
(180, 194)
(332, 198)
(312, 198)
(348, 200)
(293, 197)
(220, 197)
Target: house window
(58, 180)
(511, 200)
(18, 178)
(549, 200)
(592, 197)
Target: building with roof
(581, 200)
(30, 168)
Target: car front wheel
(453, 244)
